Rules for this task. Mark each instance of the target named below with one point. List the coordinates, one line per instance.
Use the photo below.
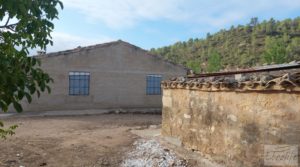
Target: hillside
(239, 47)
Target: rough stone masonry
(230, 121)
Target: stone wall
(231, 127)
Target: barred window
(79, 83)
(153, 85)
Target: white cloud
(125, 13)
(120, 14)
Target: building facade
(110, 75)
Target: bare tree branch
(7, 21)
(9, 26)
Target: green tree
(194, 65)
(26, 25)
(253, 22)
(275, 50)
(214, 62)
(293, 49)
(271, 26)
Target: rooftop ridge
(79, 49)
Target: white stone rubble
(149, 153)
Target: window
(79, 83)
(153, 85)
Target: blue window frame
(79, 83)
(153, 85)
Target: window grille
(79, 83)
(153, 85)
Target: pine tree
(275, 51)
(214, 62)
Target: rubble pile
(149, 153)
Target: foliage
(239, 47)
(275, 51)
(214, 62)
(195, 65)
(26, 25)
(5, 132)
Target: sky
(157, 23)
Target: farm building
(110, 75)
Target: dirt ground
(72, 141)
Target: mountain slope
(239, 47)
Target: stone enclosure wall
(231, 127)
